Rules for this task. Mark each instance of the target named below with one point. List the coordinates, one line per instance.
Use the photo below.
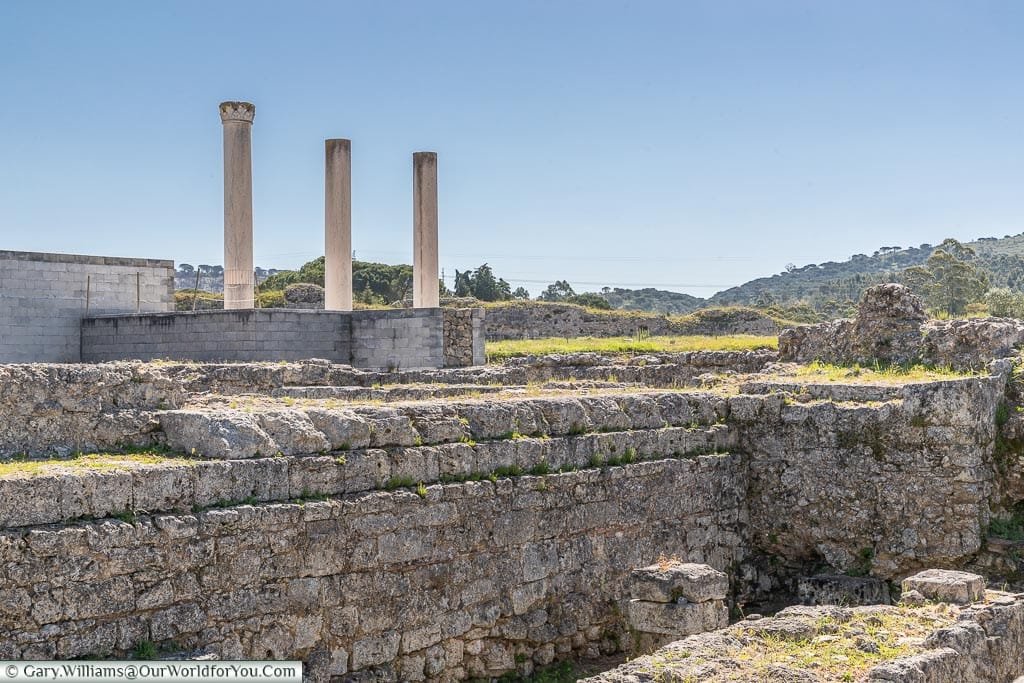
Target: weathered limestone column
(238, 266)
(338, 226)
(424, 234)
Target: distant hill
(650, 299)
(829, 289)
(833, 286)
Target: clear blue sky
(686, 145)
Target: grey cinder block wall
(380, 340)
(43, 298)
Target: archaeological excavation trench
(473, 523)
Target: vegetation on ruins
(842, 650)
(882, 373)
(500, 350)
(27, 467)
(1008, 525)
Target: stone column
(238, 267)
(424, 234)
(338, 226)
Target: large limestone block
(677, 619)
(668, 582)
(223, 434)
(945, 585)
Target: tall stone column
(338, 226)
(238, 266)
(424, 234)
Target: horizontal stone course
(235, 433)
(73, 493)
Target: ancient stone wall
(533, 320)
(463, 337)
(892, 482)
(43, 297)
(470, 579)
(464, 537)
(891, 327)
(57, 409)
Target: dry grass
(842, 651)
(91, 461)
(867, 374)
(500, 350)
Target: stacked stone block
(673, 599)
(946, 585)
(463, 337)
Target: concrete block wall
(388, 339)
(398, 339)
(268, 334)
(43, 298)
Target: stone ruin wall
(531, 320)
(981, 640)
(463, 580)
(899, 479)
(463, 337)
(57, 409)
(891, 326)
(286, 539)
(480, 576)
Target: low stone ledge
(669, 581)
(677, 619)
(945, 585)
(236, 433)
(673, 599)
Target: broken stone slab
(678, 619)
(835, 589)
(667, 582)
(912, 598)
(946, 585)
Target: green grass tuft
(509, 348)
